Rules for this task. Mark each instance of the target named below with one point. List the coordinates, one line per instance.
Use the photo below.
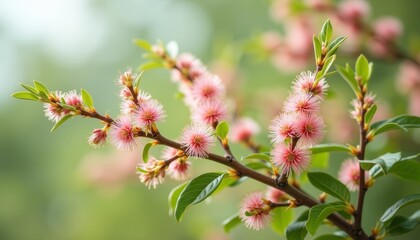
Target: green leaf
(173, 197)
(370, 113)
(68, 107)
(317, 49)
(399, 225)
(329, 147)
(319, 212)
(405, 121)
(320, 160)
(87, 98)
(261, 156)
(143, 44)
(363, 70)
(332, 48)
(222, 130)
(331, 237)
(62, 120)
(330, 185)
(231, 222)
(380, 165)
(296, 231)
(172, 49)
(41, 87)
(25, 96)
(407, 169)
(348, 75)
(150, 65)
(386, 127)
(408, 200)
(258, 165)
(326, 32)
(281, 219)
(30, 88)
(196, 191)
(412, 157)
(328, 63)
(145, 154)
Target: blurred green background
(55, 186)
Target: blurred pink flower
(275, 195)
(209, 112)
(354, 10)
(179, 169)
(243, 129)
(387, 29)
(408, 77)
(296, 159)
(197, 139)
(207, 87)
(254, 211)
(349, 174)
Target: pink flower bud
(243, 129)
(98, 137)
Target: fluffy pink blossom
(207, 87)
(179, 169)
(73, 99)
(275, 195)
(53, 111)
(149, 113)
(310, 128)
(299, 36)
(257, 209)
(209, 112)
(304, 83)
(152, 173)
(98, 137)
(283, 126)
(122, 133)
(197, 140)
(296, 159)
(243, 129)
(127, 78)
(302, 103)
(353, 10)
(349, 174)
(187, 61)
(128, 106)
(169, 153)
(387, 29)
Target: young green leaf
(222, 130)
(407, 170)
(25, 96)
(173, 197)
(258, 165)
(348, 75)
(332, 48)
(326, 32)
(317, 49)
(408, 200)
(370, 113)
(330, 185)
(405, 121)
(150, 65)
(399, 225)
(281, 219)
(386, 127)
(196, 191)
(380, 165)
(41, 87)
(62, 120)
(87, 98)
(30, 88)
(329, 147)
(231, 222)
(363, 70)
(328, 63)
(319, 212)
(143, 44)
(145, 154)
(262, 156)
(296, 231)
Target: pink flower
(275, 195)
(127, 78)
(408, 77)
(169, 153)
(52, 110)
(179, 169)
(98, 137)
(283, 126)
(209, 112)
(255, 211)
(152, 173)
(197, 140)
(353, 10)
(296, 159)
(149, 113)
(73, 99)
(187, 61)
(207, 87)
(302, 103)
(304, 84)
(310, 128)
(349, 174)
(128, 106)
(387, 29)
(122, 133)
(125, 93)
(243, 129)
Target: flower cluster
(299, 125)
